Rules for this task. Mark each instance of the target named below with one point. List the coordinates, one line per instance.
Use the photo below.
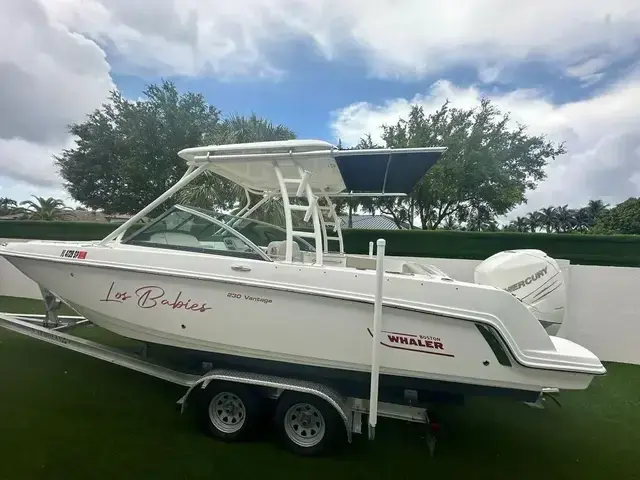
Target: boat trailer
(57, 329)
(224, 384)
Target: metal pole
(377, 327)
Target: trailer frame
(56, 329)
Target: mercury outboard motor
(531, 276)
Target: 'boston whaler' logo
(412, 343)
(530, 279)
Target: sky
(333, 69)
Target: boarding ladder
(332, 221)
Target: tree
(535, 221)
(487, 165)
(548, 218)
(210, 190)
(594, 209)
(126, 153)
(583, 220)
(565, 219)
(623, 219)
(44, 209)
(368, 204)
(7, 206)
(520, 224)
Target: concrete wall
(12, 282)
(602, 310)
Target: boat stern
(577, 357)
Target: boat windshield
(204, 231)
(259, 232)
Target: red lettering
(196, 307)
(420, 341)
(151, 296)
(148, 296)
(117, 297)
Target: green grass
(68, 416)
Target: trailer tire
(230, 411)
(308, 425)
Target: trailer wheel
(230, 411)
(308, 425)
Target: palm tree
(44, 208)
(534, 219)
(521, 224)
(565, 219)
(450, 223)
(595, 208)
(548, 218)
(241, 129)
(7, 206)
(582, 219)
(214, 192)
(481, 219)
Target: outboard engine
(531, 276)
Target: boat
(255, 297)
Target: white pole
(370, 249)
(288, 222)
(377, 327)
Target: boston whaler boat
(279, 315)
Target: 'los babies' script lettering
(151, 296)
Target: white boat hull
(320, 321)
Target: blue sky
(329, 69)
(314, 87)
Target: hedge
(55, 230)
(580, 249)
(616, 250)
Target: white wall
(602, 311)
(12, 282)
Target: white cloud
(407, 37)
(602, 136)
(20, 191)
(49, 77)
(53, 68)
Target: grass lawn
(68, 416)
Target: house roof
(371, 222)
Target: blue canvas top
(384, 172)
(368, 172)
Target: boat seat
(175, 238)
(278, 250)
(362, 263)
